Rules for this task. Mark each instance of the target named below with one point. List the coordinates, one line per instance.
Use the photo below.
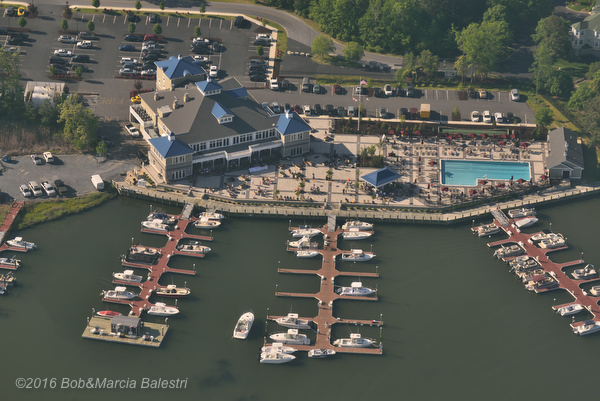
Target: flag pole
(359, 103)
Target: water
(458, 325)
(468, 172)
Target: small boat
(543, 236)
(7, 279)
(305, 231)
(355, 289)
(529, 274)
(18, 242)
(523, 212)
(587, 272)
(303, 243)
(161, 309)
(127, 275)
(108, 313)
(156, 225)
(507, 251)
(552, 243)
(354, 234)
(212, 215)
(10, 262)
(541, 282)
(486, 229)
(355, 341)
(275, 357)
(205, 222)
(356, 255)
(3, 289)
(320, 353)
(193, 247)
(119, 293)
(142, 254)
(278, 347)
(595, 290)
(588, 327)
(291, 337)
(361, 225)
(292, 321)
(526, 222)
(306, 253)
(163, 217)
(569, 310)
(172, 291)
(243, 326)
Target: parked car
(378, 92)
(127, 72)
(316, 88)
(136, 99)
(487, 116)
(275, 107)
(148, 73)
(35, 188)
(132, 130)
(273, 84)
(66, 39)
(341, 111)
(337, 89)
(149, 46)
(86, 36)
(48, 157)
(360, 90)
(382, 112)
(514, 95)
(214, 71)
(62, 53)
(127, 48)
(25, 191)
(57, 60)
(133, 38)
(153, 37)
(80, 58)
(475, 116)
(297, 109)
(60, 187)
(36, 159)
(329, 109)
(307, 110)
(48, 188)
(410, 91)
(317, 109)
(499, 117)
(153, 19)
(239, 21)
(483, 94)
(85, 44)
(284, 84)
(387, 90)
(21, 12)
(131, 17)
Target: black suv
(80, 58)
(57, 60)
(86, 36)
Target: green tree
(322, 46)
(590, 120)
(52, 70)
(79, 122)
(429, 62)
(64, 24)
(67, 12)
(101, 148)
(131, 27)
(78, 71)
(260, 50)
(461, 67)
(203, 7)
(161, 5)
(409, 65)
(95, 3)
(138, 4)
(11, 101)
(91, 27)
(197, 31)
(48, 114)
(583, 94)
(543, 116)
(553, 36)
(353, 51)
(157, 29)
(22, 22)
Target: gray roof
(590, 22)
(565, 151)
(193, 121)
(127, 321)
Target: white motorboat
(172, 291)
(527, 275)
(523, 212)
(18, 242)
(545, 236)
(306, 253)
(588, 327)
(595, 290)
(161, 309)
(119, 294)
(526, 222)
(552, 243)
(291, 337)
(163, 217)
(589, 271)
(320, 353)
(354, 234)
(355, 289)
(569, 310)
(292, 321)
(142, 254)
(486, 229)
(303, 243)
(356, 255)
(278, 347)
(275, 357)
(3, 289)
(305, 231)
(212, 215)
(205, 222)
(127, 275)
(355, 341)
(243, 325)
(193, 247)
(7, 279)
(156, 225)
(11, 263)
(361, 225)
(541, 282)
(508, 251)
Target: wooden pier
(327, 295)
(5, 227)
(565, 282)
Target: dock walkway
(7, 223)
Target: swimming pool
(468, 172)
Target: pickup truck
(133, 131)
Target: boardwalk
(7, 223)
(327, 295)
(565, 282)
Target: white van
(307, 111)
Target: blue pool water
(468, 172)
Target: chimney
(156, 96)
(175, 102)
(171, 137)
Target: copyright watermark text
(98, 383)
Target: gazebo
(380, 177)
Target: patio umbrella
(482, 135)
(471, 135)
(472, 191)
(512, 136)
(524, 145)
(543, 177)
(444, 188)
(503, 136)
(520, 180)
(402, 132)
(501, 143)
(417, 132)
(431, 163)
(391, 132)
(500, 185)
(482, 182)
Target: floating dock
(5, 227)
(99, 328)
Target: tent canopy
(380, 177)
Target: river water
(457, 324)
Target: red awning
(403, 132)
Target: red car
(297, 109)
(153, 37)
(337, 89)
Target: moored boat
(156, 225)
(275, 357)
(588, 327)
(486, 229)
(303, 243)
(589, 271)
(11, 263)
(3, 289)
(320, 353)
(541, 282)
(595, 290)
(305, 231)
(355, 341)
(162, 309)
(108, 313)
(163, 217)
(7, 279)
(552, 243)
(193, 247)
(119, 294)
(355, 234)
(355, 289)
(522, 212)
(569, 310)
(172, 291)
(292, 321)
(212, 215)
(361, 225)
(526, 222)
(291, 337)
(243, 326)
(356, 255)
(127, 275)
(306, 253)
(139, 253)
(205, 222)
(508, 251)
(278, 347)
(18, 242)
